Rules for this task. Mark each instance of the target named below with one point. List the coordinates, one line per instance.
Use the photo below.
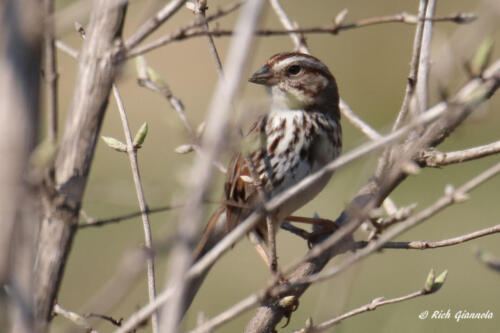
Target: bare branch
(434, 158)
(74, 317)
(178, 35)
(92, 222)
(285, 21)
(380, 301)
(153, 23)
(190, 31)
(423, 245)
(148, 240)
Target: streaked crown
(299, 81)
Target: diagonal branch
(153, 23)
(374, 304)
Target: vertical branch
(64, 188)
(201, 173)
(412, 77)
(148, 240)
(422, 88)
(50, 70)
(19, 111)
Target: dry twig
(434, 158)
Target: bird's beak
(263, 76)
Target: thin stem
(433, 158)
(412, 76)
(423, 245)
(200, 10)
(50, 74)
(74, 317)
(132, 155)
(422, 89)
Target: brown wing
(240, 192)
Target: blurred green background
(371, 65)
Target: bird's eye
(293, 70)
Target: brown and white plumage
(299, 135)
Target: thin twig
(190, 32)
(148, 27)
(412, 76)
(74, 317)
(434, 158)
(92, 222)
(423, 245)
(364, 308)
(138, 50)
(50, 74)
(422, 88)
(132, 155)
(200, 12)
(285, 21)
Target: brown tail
(213, 233)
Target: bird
(299, 135)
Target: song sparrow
(299, 135)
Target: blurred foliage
(371, 66)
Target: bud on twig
(114, 143)
(141, 135)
